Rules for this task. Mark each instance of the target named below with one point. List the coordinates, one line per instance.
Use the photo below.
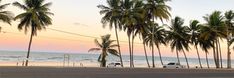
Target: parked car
(114, 65)
(173, 65)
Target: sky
(82, 17)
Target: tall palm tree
(214, 29)
(106, 46)
(205, 45)
(146, 56)
(158, 39)
(5, 16)
(141, 28)
(194, 32)
(178, 36)
(112, 14)
(156, 9)
(229, 17)
(131, 13)
(149, 39)
(35, 16)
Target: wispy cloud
(80, 24)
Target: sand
(77, 72)
(51, 64)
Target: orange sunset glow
(76, 19)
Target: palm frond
(113, 46)
(94, 49)
(6, 16)
(113, 52)
(17, 4)
(97, 43)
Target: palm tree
(214, 29)
(106, 46)
(229, 17)
(149, 39)
(112, 14)
(131, 13)
(146, 56)
(205, 45)
(178, 36)
(5, 16)
(156, 9)
(194, 28)
(159, 36)
(36, 17)
(141, 29)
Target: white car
(114, 65)
(173, 65)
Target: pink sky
(82, 17)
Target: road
(60, 72)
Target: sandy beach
(71, 72)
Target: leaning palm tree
(229, 17)
(106, 46)
(205, 45)
(5, 16)
(158, 39)
(36, 17)
(179, 37)
(214, 29)
(112, 14)
(141, 28)
(194, 32)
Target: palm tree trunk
(132, 50)
(214, 54)
(177, 55)
(186, 59)
(103, 61)
(160, 56)
(146, 56)
(198, 55)
(130, 53)
(228, 54)
(220, 54)
(217, 53)
(153, 64)
(207, 60)
(117, 38)
(29, 47)
(152, 42)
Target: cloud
(80, 24)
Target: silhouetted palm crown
(215, 26)
(106, 46)
(5, 16)
(159, 35)
(157, 9)
(112, 13)
(36, 15)
(178, 35)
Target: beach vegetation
(5, 16)
(112, 17)
(106, 46)
(36, 17)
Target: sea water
(90, 60)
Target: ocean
(90, 60)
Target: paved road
(57, 72)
